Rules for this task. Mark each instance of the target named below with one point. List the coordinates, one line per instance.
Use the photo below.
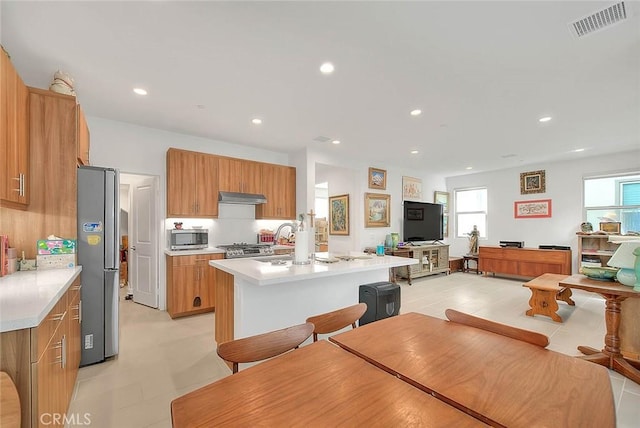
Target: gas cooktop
(242, 249)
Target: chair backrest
(9, 403)
(336, 320)
(502, 329)
(263, 346)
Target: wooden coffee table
(614, 294)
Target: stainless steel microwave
(188, 239)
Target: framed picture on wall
(377, 210)
(532, 209)
(442, 198)
(411, 189)
(377, 179)
(339, 215)
(532, 182)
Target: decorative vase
(395, 238)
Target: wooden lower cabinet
(190, 284)
(526, 262)
(43, 362)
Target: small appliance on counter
(188, 239)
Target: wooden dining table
(499, 380)
(318, 385)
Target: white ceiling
(481, 72)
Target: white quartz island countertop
(260, 270)
(27, 297)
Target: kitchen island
(254, 295)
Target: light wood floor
(161, 359)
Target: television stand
(432, 259)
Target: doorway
(139, 237)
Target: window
(613, 198)
(471, 210)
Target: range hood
(241, 198)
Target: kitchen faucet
(292, 225)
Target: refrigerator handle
(112, 215)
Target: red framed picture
(532, 209)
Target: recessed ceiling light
(414, 152)
(416, 112)
(578, 150)
(335, 142)
(544, 119)
(469, 167)
(140, 91)
(327, 68)
(256, 121)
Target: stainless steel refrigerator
(99, 255)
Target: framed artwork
(411, 189)
(377, 179)
(532, 209)
(610, 226)
(377, 210)
(339, 215)
(532, 182)
(442, 198)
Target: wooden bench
(544, 293)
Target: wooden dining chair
(495, 327)
(9, 403)
(263, 346)
(336, 320)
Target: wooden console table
(526, 262)
(614, 294)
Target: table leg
(611, 356)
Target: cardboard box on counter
(55, 261)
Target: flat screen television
(422, 222)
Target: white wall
(563, 187)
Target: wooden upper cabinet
(279, 186)
(83, 138)
(192, 189)
(52, 135)
(238, 175)
(207, 187)
(14, 137)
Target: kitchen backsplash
(235, 223)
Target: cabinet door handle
(22, 192)
(64, 351)
(76, 287)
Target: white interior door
(143, 249)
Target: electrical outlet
(88, 341)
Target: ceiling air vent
(599, 20)
(322, 139)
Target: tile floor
(161, 359)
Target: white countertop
(27, 297)
(264, 273)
